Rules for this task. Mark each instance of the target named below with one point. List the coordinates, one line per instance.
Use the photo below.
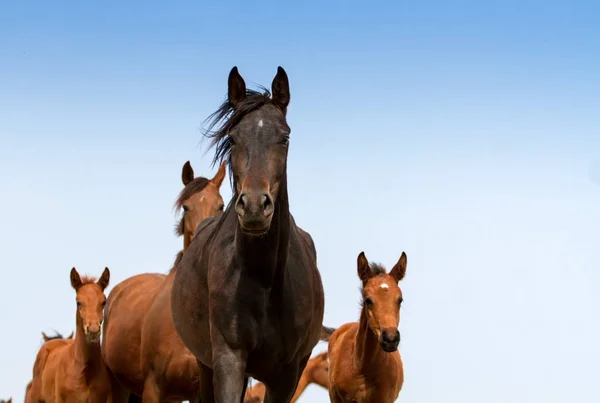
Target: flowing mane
(227, 117)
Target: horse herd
(244, 297)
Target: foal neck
(86, 354)
(265, 256)
(367, 351)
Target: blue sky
(464, 133)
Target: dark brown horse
(247, 298)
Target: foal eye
(368, 302)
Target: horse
(156, 366)
(46, 338)
(366, 366)
(72, 370)
(316, 371)
(247, 297)
(6, 401)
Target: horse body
(247, 297)
(122, 339)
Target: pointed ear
(280, 88)
(220, 175)
(71, 335)
(104, 279)
(46, 338)
(236, 87)
(187, 173)
(75, 279)
(364, 270)
(399, 269)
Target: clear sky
(465, 133)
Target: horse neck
(367, 351)
(264, 257)
(87, 354)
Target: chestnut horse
(72, 370)
(365, 363)
(156, 365)
(46, 338)
(316, 371)
(247, 297)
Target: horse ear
(71, 335)
(187, 173)
(220, 175)
(75, 279)
(281, 89)
(399, 270)
(104, 279)
(236, 87)
(46, 338)
(364, 270)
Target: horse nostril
(243, 200)
(267, 204)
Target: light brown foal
(366, 366)
(316, 371)
(72, 370)
(46, 338)
(142, 350)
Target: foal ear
(364, 270)
(281, 89)
(104, 279)
(187, 173)
(220, 175)
(399, 269)
(75, 279)
(236, 91)
(46, 338)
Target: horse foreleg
(229, 373)
(152, 392)
(207, 392)
(282, 389)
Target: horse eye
(285, 141)
(368, 302)
(231, 141)
(221, 207)
(78, 304)
(185, 208)
(400, 301)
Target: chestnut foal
(366, 366)
(316, 371)
(72, 370)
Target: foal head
(199, 199)
(382, 299)
(90, 302)
(254, 137)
